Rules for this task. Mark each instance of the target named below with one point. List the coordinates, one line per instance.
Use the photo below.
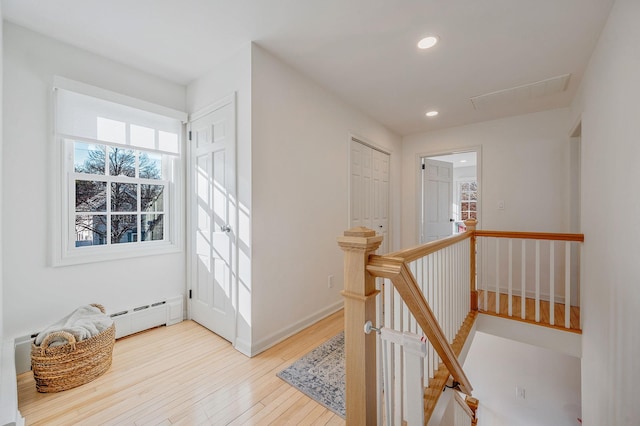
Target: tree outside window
(119, 195)
(468, 200)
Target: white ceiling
(362, 50)
(460, 159)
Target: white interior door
(437, 209)
(369, 204)
(213, 220)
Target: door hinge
(189, 134)
(423, 166)
(190, 294)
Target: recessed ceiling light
(431, 113)
(427, 42)
(463, 161)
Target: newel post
(359, 307)
(471, 227)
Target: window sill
(106, 254)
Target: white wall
(233, 74)
(532, 150)
(300, 195)
(1, 181)
(36, 294)
(551, 380)
(608, 104)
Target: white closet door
(213, 220)
(369, 204)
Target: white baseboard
(243, 346)
(9, 414)
(289, 331)
(128, 321)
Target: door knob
(225, 228)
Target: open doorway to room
(450, 193)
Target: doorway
(449, 193)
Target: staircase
(437, 290)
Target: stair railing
(446, 275)
(531, 277)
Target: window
(119, 177)
(468, 199)
(117, 192)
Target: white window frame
(62, 218)
(459, 200)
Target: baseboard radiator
(128, 321)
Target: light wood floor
(184, 374)
(530, 311)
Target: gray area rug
(320, 374)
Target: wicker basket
(64, 367)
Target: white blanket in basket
(85, 322)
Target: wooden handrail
(396, 269)
(414, 253)
(531, 235)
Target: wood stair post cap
(360, 231)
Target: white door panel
(438, 193)
(369, 203)
(213, 222)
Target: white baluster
(391, 339)
(552, 283)
(432, 352)
(485, 285)
(510, 302)
(523, 281)
(497, 275)
(567, 284)
(537, 280)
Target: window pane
(91, 230)
(122, 162)
(465, 186)
(472, 206)
(91, 196)
(474, 195)
(472, 215)
(88, 158)
(465, 207)
(473, 186)
(150, 165)
(142, 137)
(152, 198)
(124, 228)
(465, 215)
(464, 196)
(124, 197)
(152, 227)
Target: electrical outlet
(520, 392)
(330, 281)
(501, 205)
